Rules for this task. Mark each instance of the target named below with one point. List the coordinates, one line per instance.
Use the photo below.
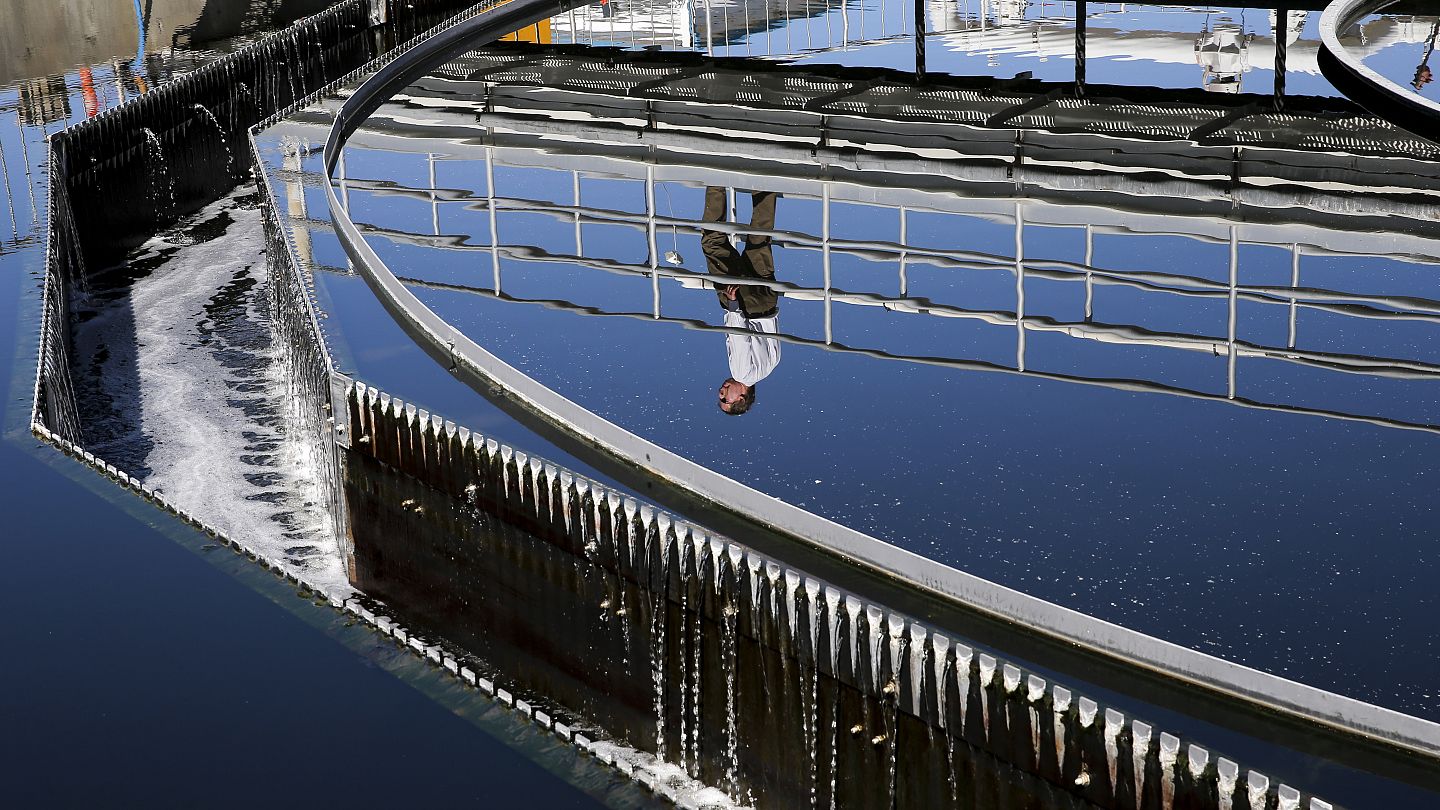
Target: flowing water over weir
(750, 674)
(716, 674)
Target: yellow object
(538, 33)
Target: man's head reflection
(753, 308)
(735, 397)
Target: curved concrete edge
(469, 359)
(1364, 85)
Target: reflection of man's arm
(753, 355)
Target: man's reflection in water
(752, 307)
(1423, 76)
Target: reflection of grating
(1140, 112)
(1359, 134)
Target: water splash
(657, 667)
(873, 629)
(812, 733)
(224, 140)
(162, 185)
(683, 637)
(728, 632)
(697, 646)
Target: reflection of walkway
(751, 310)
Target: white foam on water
(196, 393)
(665, 778)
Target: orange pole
(87, 89)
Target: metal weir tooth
(987, 669)
(832, 625)
(941, 660)
(964, 660)
(812, 610)
(1114, 724)
(1088, 709)
(1289, 797)
(717, 552)
(1010, 677)
(1227, 775)
(852, 613)
(737, 557)
(1199, 759)
(754, 565)
(698, 546)
(1257, 785)
(1139, 752)
(1034, 688)
(791, 591)
(1169, 748)
(874, 628)
(1060, 707)
(917, 668)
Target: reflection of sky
(1182, 518)
(1397, 59)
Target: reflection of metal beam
(1396, 368)
(1360, 304)
(1130, 215)
(1119, 384)
(1205, 131)
(1009, 114)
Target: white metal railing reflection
(1292, 299)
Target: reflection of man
(754, 308)
(1423, 76)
